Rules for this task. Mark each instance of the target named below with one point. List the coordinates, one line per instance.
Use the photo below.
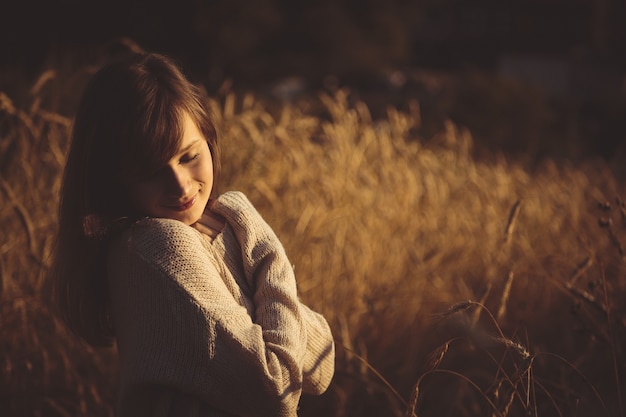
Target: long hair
(129, 123)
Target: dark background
(553, 71)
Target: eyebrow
(191, 145)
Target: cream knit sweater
(213, 328)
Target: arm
(319, 361)
(259, 244)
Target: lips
(183, 206)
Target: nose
(179, 182)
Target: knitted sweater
(213, 328)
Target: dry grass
(387, 230)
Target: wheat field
(454, 286)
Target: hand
(210, 224)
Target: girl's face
(181, 189)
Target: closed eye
(190, 158)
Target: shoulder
(165, 231)
(162, 251)
(238, 211)
(236, 208)
(159, 238)
(233, 200)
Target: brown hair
(129, 122)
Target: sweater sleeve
(270, 273)
(178, 325)
(318, 367)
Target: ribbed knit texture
(213, 328)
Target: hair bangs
(155, 140)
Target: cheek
(208, 173)
(207, 170)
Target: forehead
(190, 130)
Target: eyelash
(152, 175)
(190, 159)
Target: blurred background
(528, 77)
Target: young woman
(197, 291)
